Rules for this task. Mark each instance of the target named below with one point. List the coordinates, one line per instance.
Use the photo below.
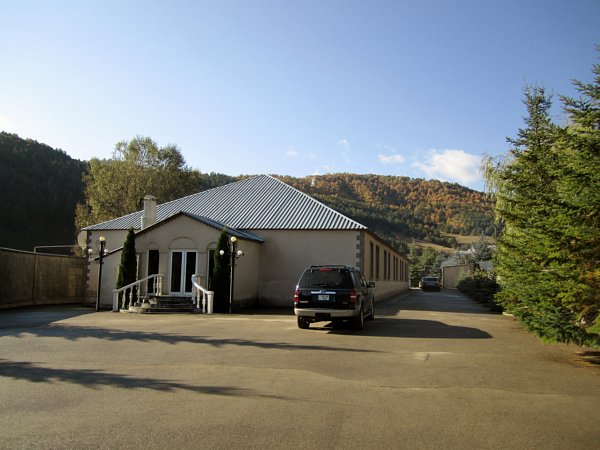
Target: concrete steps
(164, 304)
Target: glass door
(183, 266)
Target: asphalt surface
(432, 370)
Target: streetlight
(100, 245)
(234, 254)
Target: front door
(153, 266)
(183, 266)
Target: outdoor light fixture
(234, 254)
(101, 246)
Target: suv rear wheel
(303, 323)
(372, 314)
(358, 322)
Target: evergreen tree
(483, 252)
(128, 265)
(578, 195)
(423, 262)
(220, 277)
(39, 190)
(547, 198)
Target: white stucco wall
(182, 233)
(286, 253)
(268, 271)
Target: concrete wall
(28, 279)
(384, 265)
(286, 253)
(451, 274)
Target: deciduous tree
(115, 187)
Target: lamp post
(100, 244)
(233, 241)
(234, 254)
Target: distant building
(280, 229)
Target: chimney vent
(149, 215)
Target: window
(377, 262)
(385, 265)
(371, 265)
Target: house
(280, 230)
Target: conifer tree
(547, 197)
(128, 265)
(221, 273)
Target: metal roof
(219, 226)
(259, 203)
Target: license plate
(323, 298)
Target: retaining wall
(28, 279)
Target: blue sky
(412, 88)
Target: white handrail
(130, 287)
(207, 296)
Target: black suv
(334, 293)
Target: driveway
(432, 370)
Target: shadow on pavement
(74, 333)
(95, 379)
(405, 328)
(35, 316)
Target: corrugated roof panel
(258, 203)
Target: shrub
(481, 287)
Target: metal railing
(201, 294)
(129, 291)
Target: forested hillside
(39, 188)
(402, 208)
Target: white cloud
(388, 159)
(293, 153)
(450, 165)
(391, 159)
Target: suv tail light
(296, 297)
(353, 298)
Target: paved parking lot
(432, 370)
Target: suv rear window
(326, 278)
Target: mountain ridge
(41, 187)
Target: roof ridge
(162, 205)
(318, 202)
(253, 203)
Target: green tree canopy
(39, 190)
(115, 187)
